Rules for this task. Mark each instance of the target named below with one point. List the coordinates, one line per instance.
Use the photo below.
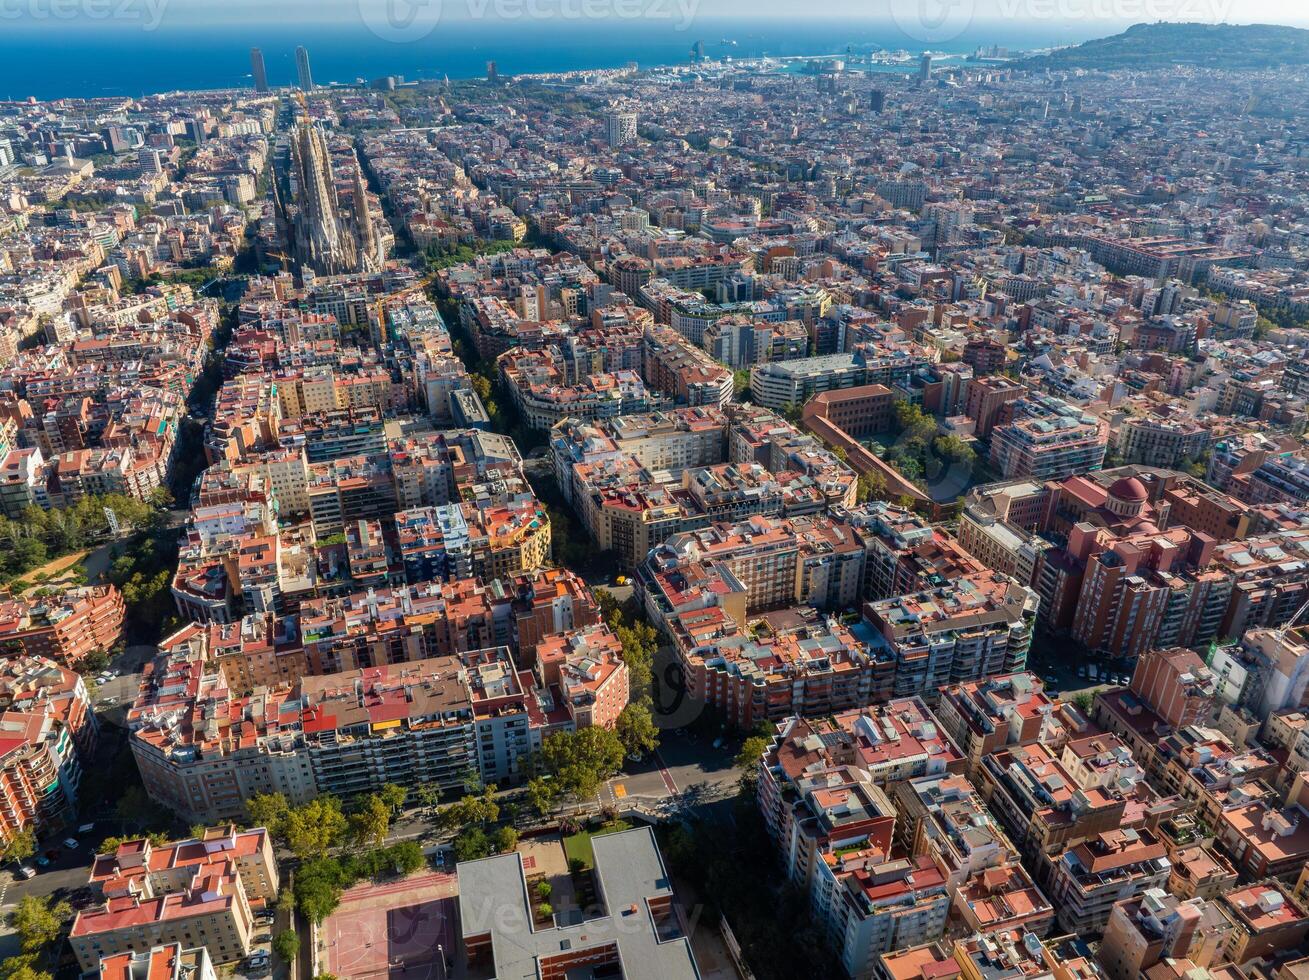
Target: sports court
(393, 930)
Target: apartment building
(1270, 579)
(824, 811)
(167, 962)
(65, 627)
(987, 400)
(1047, 439)
(686, 373)
(1008, 709)
(1264, 839)
(975, 627)
(1019, 954)
(1039, 803)
(942, 816)
(812, 666)
(140, 867)
(333, 434)
(868, 904)
(792, 383)
(1268, 922)
(1142, 931)
(1177, 684)
(584, 673)
(1111, 867)
(1161, 439)
(48, 734)
(199, 890)
(202, 751)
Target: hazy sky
(1109, 11)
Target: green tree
(407, 857)
(540, 795)
(636, 730)
(471, 844)
(21, 847)
(394, 796)
(268, 810)
(611, 610)
(639, 642)
(22, 967)
(872, 486)
(427, 795)
(740, 383)
(472, 810)
(370, 823)
(543, 890)
(38, 922)
(545, 910)
(504, 840)
(313, 829)
(318, 887)
(580, 761)
(747, 760)
(286, 944)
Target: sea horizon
(68, 61)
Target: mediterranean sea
(49, 59)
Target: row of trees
(39, 924)
(336, 847)
(314, 829)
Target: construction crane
(281, 257)
(379, 308)
(1290, 623)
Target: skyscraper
(620, 128)
(925, 69)
(877, 100)
(302, 69)
(492, 74)
(258, 71)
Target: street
(685, 768)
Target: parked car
(27, 871)
(71, 843)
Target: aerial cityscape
(736, 512)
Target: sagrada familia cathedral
(325, 235)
